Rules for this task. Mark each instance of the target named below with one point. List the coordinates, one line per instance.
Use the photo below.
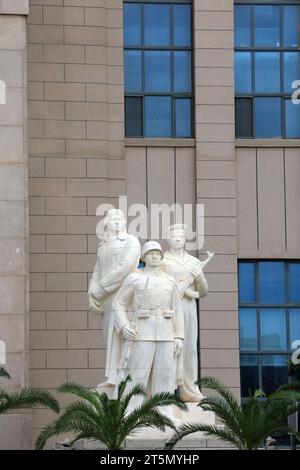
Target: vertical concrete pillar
(15, 429)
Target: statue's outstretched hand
(178, 347)
(128, 332)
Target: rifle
(189, 279)
(128, 344)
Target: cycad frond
(27, 398)
(214, 384)
(210, 430)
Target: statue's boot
(189, 397)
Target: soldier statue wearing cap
(191, 283)
(148, 317)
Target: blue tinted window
(157, 71)
(157, 25)
(266, 26)
(249, 374)
(291, 61)
(133, 117)
(133, 71)
(246, 282)
(267, 117)
(271, 282)
(273, 329)
(274, 372)
(248, 329)
(243, 82)
(292, 119)
(132, 25)
(294, 325)
(183, 117)
(267, 72)
(182, 25)
(291, 22)
(242, 24)
(182, 71)
(158, 116)
(294, 282)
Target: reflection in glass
(273, 329)
(267, 117)
(248, 329)
(243, 117)
(292, 120)
(267, 72)
(133, 117)
(158, 116)
(182, 25)
(271, 282)
(294, 325)
(249, 374)
(183, 117)
(246, 282)
(133, 70)
(157, 25)
(132, 25)
(291, 68)
(243, 82)
(274, 372)
(291, 22)
(242, 25)
(294, 281)
(266, 26)
(157, 71)
(182, 71)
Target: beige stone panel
(15, 366)
(185, 161)
(67, 320)
(271, 210)
(87, 148)
(219, 301)
(47, 300)
(221, 282)
(11, 144)
(37, 320)
(215, 151)
(88, 35)
(97, 92)
(12, 182)
(136, 171)
(35, 91)
(45, 378)
(115, 112)
(12, 294)
(14, 7)
(35, 15)
(115, 75)
(42, 417)
(46, 147)
(12, 329)
(93, 203)
(115, 56)
(115, 149)
(44, 263)
(64, 91)
(48, 339)
(222, 264)
(116, 169)
(65, 206)
(67, 282)
(93, 243)
(97, 168)
(207, 39)
(37, 244)
(36, 167)
(45, 34)
(66, 244)
(63, 15)
(214, 20)
(38, 72)
(219, 207)
(215, 132)
(12, 255)
(95, 321)
(12, 220)
(219, 358)
(78, 263)
(47, 224)
(215, 114)
(116, 131)
(226, 244)
(65, 130)
(216, 188)
(12, 113)
(214, 57)
(37, 282)
(97, 358)
(229, 376)
(97, 130)
(46, 187)
(214, 95)
(86, 3)
(65, 167)
(216, 170)
(220, 226)
(86, 187)
(74, 359)
(114, 18)
(86, 111)
(247, 199)
(77, 301)
(115, 93)
(35, 53)
(114, 37)
(292, 184)
(46, 110)
(116, 188)
(82, 339)
(37, 359)
(229, 339)
(65, 54)
(219, 320)
(13, 33)
(95, 17)
(81, 224)
(85, 73)
(37, 206)
(86, 377)
(96, 55)
(11, 68)
(17, 432)
(36, 129)
(213, 5)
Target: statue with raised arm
(191, 283)
(118, 255)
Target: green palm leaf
(4, 373)
(27, 398)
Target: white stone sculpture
(148, 316)
(191, 283)
(118, 255)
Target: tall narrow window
(158, 69)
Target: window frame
(172, 94)
(252, 49)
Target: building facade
(162, 113)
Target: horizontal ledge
(14, 7)
(267, 143)
(268, 254)
(149, 142)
